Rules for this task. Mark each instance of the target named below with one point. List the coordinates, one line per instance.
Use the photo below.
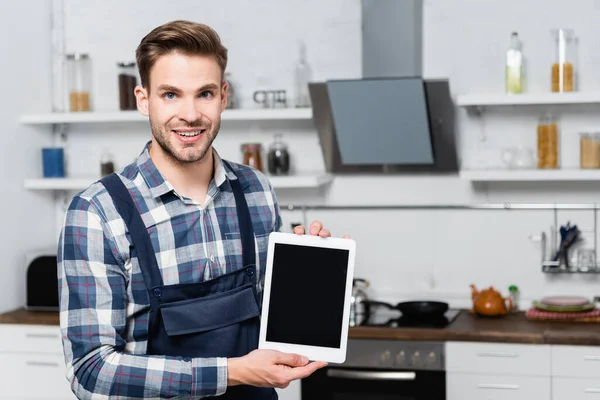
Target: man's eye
(206, 95)
(169, 96)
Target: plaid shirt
(104, 304)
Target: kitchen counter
(514, 328)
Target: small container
(547, 142)
(589, 150)
(79, 80)
(127, 84)
(251, 153)
(303, 76)
(231, 94)
(513, 291)
(278, 158)
(53, 162)
(107, 165)
(514, 66)
(563, 69)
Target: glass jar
(252, 155)
(79, 78)
(589, 150)
(547, 142)
(107, 165)
(278, 158)
(563, 70)
(231, 100)
(127, 83)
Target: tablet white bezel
(314, 353)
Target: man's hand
(269, 368)
(316, 229)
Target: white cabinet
(292, 392)
(32, 364)
(575, 372)
(575, 388)
(493, 371)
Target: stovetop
(394, 319)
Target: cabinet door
(496, 387)
(575, 389)
(34, 376)
(576, 361)
(30, 339)
(498, 358)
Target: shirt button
(250, 271)
(157, 292)
(212, 258)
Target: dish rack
(575, 261)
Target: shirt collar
(158, 185)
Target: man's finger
(315, 227)
(293, 360)
(299, 230)
(307, 370)
(347, 237)
(324, 233)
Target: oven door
(332, 383)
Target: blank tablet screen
(307, 295)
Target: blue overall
(215, 318)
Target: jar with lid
(127, 83)
(231, 99)
(589, 150)
(278, 158)
(547, 142)
(251, 153)
(563, 69)
(79, 78)
(107, 165)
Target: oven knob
(401, 357)
(431, 358)
(416, 358)
(385, 356)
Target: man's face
(184, 104)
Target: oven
(382, 370)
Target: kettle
(358, 301)
(489, 302)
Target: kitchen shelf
(259, 114)
(501, 99)
(279, 182)
(530, 175)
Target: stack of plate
(564, 308)
(564, 304)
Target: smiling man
(160, 265)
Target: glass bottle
(563, 70)
(79, 79)
(251, 153)
(303, 77)
(127, 83)
(231, 99)
(107, 165)
(513, 291)
(514, 66)
(278, 158)
(547, 142)
(589, 150)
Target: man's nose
(190, 111)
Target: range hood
(391, 120)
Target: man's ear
(224, 87)
(141, 95)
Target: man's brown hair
(185, 37)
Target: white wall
(27, 218)
(406, 254)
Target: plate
(578, 308)
(565, 301)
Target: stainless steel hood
(391, 120)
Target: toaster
(41, 281)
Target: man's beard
(189, 154)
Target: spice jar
(79, 78)
(231, 99)
(278, 159)
(107, 166)
(127, 83)
(562, 69)
(589, 150)
(252, 155)
(547, 142)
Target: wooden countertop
(514, 328)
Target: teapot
(358, 301)
(489, 302)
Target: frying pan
(415, 309)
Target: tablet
(306, 299)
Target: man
(153, 260)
